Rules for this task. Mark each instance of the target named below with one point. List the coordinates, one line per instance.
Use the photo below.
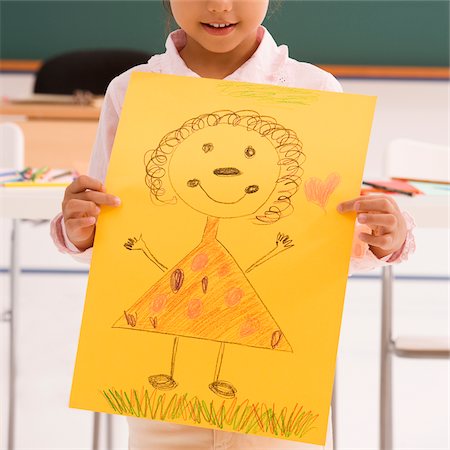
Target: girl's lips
(219, 31)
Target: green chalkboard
(366, 32)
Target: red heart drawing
(318, 191)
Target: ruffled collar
(261, 67)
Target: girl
(220, 39)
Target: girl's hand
(382, 215)
(80, 209)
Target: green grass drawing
(241, 416)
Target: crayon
(385, 188)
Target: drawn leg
(220, 387)
(162, 381)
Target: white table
(428, 211)
(40, 203)
(30, 202)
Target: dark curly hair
(285, 142)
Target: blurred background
(395, 50)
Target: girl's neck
(208, 64)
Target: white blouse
(270, 64)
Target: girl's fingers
(384, 241)
(79, 223)
(86, 200)
(76, 208)
(382, 215)
(376, 220)
(103, 198)
(81, 209)
(87, 188)
(380, 203)
(100, 198)
(80, 229)
(84, 182)
(383, 205)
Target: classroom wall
(415, 109)
(368, 32)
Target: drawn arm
(282, 243)
(139, 244)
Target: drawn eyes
(208, 147)
(249, 152)
(252, 189)
(193, 183)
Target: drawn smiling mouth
(248, 190)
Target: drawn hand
(282, 243)
(383, 216)
(81, 207)
(283, 239)
(135, 243)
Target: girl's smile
(220, 34)
(219, 29)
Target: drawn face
(242, 18)
(225, 171)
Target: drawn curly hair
(284, 140)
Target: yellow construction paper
(216, 288)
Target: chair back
(85, 70)
(12, 146)
(415, 160)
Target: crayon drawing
(216, 288)
(207, 295)
(318, 191)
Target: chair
(415, 160)
(85, 70)
(12, 157)
(12, 146)
(407, 159)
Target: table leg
(14, 286)
(109, 431)
(334, 410)
(386, 361)
(96, 432)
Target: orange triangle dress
(206, 296)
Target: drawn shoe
(223, 389)
(162, 382)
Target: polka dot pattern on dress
(194, 309)
(234, 296)
(159, 303)
(199, 262)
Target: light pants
(151, 435)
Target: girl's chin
(218, 47)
